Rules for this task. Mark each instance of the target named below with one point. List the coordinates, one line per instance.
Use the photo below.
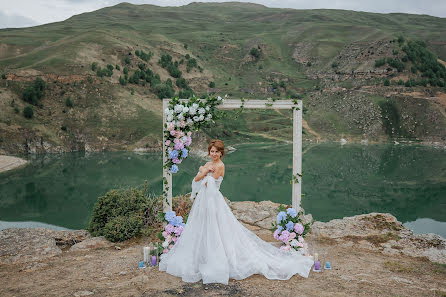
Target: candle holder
(317, 266)
(327, 265)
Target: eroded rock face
(382, 232)
(91, 243)
(19, 245)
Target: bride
(215, 246)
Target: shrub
(174, 71)
(94, 66)
(122, 213)
(185, 45)
(334, 64)
(89, 79)
(125, 70)
(309, 64)
(165, 60)
(28, 112)
(255, 52)
(387, 82)
(117, 67)
(127, 60)
(68, 102)
(16, 109)
(34, 92)
(63, 128)
(191, 63)
(212, 84)
(163, 91)
(186, 94)
(122, 81)
(181, 83)
(3, 76)
(282, 84)
(395, 63)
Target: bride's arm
(201, 173)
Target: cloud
(15, 21)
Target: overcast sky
(25, 13)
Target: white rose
(180, 117)
(166, 111)
(195, 106)
(178, 108)
(185, 109)
(165, 244)
(196, 119)
(169, 118)
(201, 117)
(219, 98)
(293, 242)
(209, 117)
(201, 110)
(192, 111)
(189, 121)
(184, 139)
(207, 108)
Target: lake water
(408, 181)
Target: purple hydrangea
(299, 228)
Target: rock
(261, 213)
(382, 231)
(91, 243)
(83, 293)
(18, 245)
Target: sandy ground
(113, 272)
(8, 162)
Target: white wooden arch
(296, 105)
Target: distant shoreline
(8, 162)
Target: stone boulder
(91, 243)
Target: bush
(309, 64)
(186, 94)
(387, 82)
(181, 83)
(89, 79)
(63, 128)
(212, 84)
(395, 63)
(117, 67)
(122, 213)
(16, 109)
(255, 52)
(28, 112)
(3, 76)
(127, 60)
(122, 81)
(282, 84)
(34, 92)
(165, 60)
(94, 66)
(163, 91)
(68, 102)
(334, 64)
(174, 71)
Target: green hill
(349, 68)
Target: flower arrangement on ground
(172, 231)
(181, 119)
(290, 230)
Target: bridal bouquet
(290, 230)
(181, 119)
(172, 231)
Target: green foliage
(110, 68)
(122, 81)
(309, 64)
(69, 102)
(282, 84)
(122, 213)
(334, 65)
(400, 82)
(63, 128)
(400, 40)
(163, 91)
(396, 63)
(387, 82)
(125, 70)
(28, 112)
(174, 71)
(181, 83)
(16, 109)
(185, 46)
(165, 60)
(89, 79)
(3, 76)
(212, 84)
(395, 52)
(187, 56)
(142, 66)
(105, 72)
(191, 63)
(34, 92)
(134, 79)
(94, 66)
(380, 62)
(127, 60)
(255, 52)
(145, 56)
(186, 93)
(117, 67)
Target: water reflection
(406, 181)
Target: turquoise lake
(408, 181)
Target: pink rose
(170, 246)
(176, 140)
(165, 234)
(170, 127)
(189, 133)
(276, 234)
(172, 132)
(182, 124)
(179, 230)
(167, 142)
(284, 236)
(292, 236)
(299, 244)
(286, 248)
(165, 251)
(169, 228)
(300, 238)
(174, 239)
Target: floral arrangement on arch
(181, 119)
(290, 230)
(172, 231)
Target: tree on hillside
(34, 92)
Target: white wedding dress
(215, 246)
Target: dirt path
(114, 272)
(8, 162)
